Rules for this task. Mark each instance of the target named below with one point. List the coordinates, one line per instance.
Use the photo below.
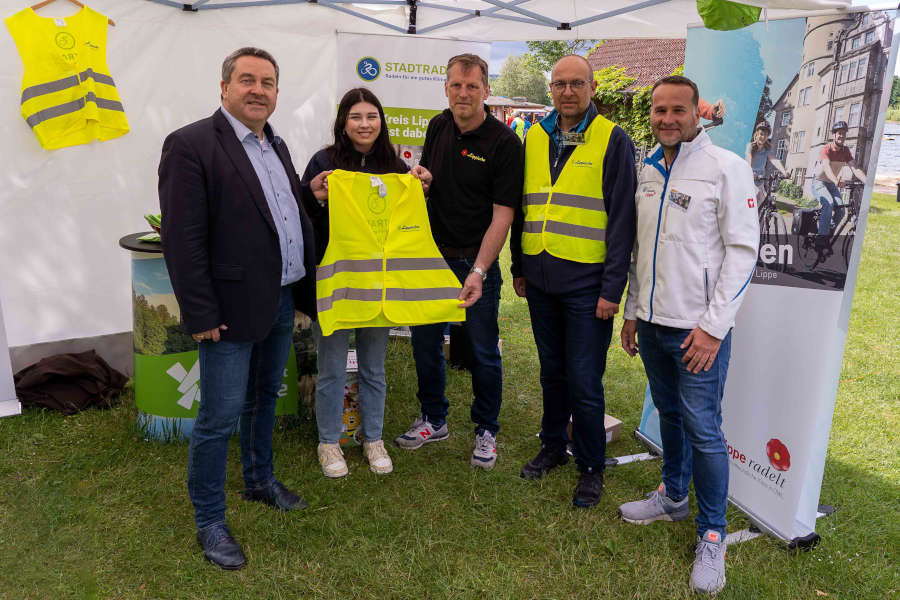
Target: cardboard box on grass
(613, 428)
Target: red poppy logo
(464, 152)
(407, 154)
(778, 454)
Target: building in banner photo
(839, 88)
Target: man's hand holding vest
(471, 290)
(318, 185)
(423, 175)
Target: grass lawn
(90, 510)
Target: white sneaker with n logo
(422, 432)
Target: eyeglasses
(560, 86)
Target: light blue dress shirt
(277, 188)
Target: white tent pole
(535, 16)
(339, 8)
(472, 14)
(618, 11)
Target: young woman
(361, 143)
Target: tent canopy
(491, 20)
(64, 277)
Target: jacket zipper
(662, 200)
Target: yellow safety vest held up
(68, 95)
(381, 267)
(567, 219)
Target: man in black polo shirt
(571, 249)
(477, 168)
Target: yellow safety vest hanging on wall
(68, 95)
(381, 267)
(567, 219)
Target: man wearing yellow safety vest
(476, 165)
(571, 246)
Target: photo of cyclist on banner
(836, 161)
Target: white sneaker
(331, 457)
(376, 454)
(485, 453)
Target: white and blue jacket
(697, 238)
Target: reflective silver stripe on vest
(73, 106)
(576, 201)
(416, 264)
(367, 265)
(373, 265)
(64, 83)
(533, 226)
(439, 293)
(323, 304)
(576, 231)
(535, 199)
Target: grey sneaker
(708, 574)
(657, 507)
(485, 453)
(422, 432)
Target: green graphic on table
(169, 385)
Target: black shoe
(587, 492)
(275, 495)
(220, 548)
(546, 459)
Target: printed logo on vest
(376, 202)
(65, 40)
(583, 163)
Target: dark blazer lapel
(238, 156)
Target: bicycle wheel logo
(368, 69)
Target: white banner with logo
(407, 75)
(804, 104)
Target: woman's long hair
(343, 155)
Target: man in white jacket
(696, 248)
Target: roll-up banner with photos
(407, 75)
(805, 101)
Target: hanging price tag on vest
(571, 138)
(377, 182)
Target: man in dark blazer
(240, 252)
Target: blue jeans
(829, 197)
(238, 380)
(690, 421)
(487, 372)
(371, 347)
(572, 344)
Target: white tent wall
(65, 282)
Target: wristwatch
(478, 270)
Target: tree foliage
(628, 110)
(547, 53)
(520, 76)
(766, 105)
(895, 93)
(156, 331)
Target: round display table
(166, 369)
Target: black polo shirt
(472, 172)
